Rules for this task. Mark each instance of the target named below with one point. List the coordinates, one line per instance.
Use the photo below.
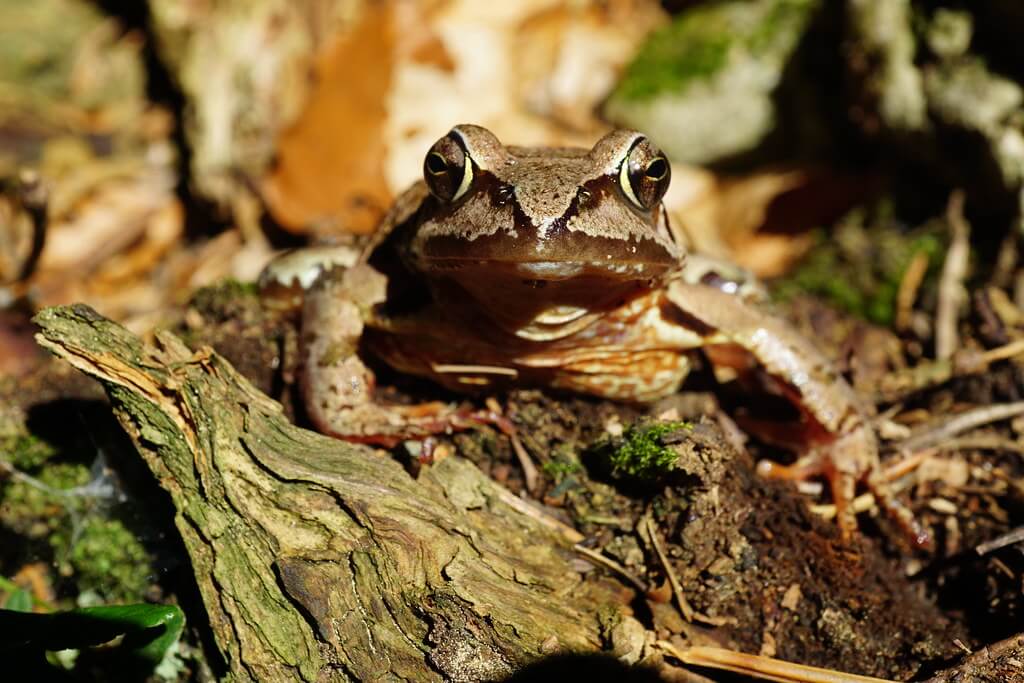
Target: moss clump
(26, 451)
(641, 452)
(36, 508)
(700, 43)
(559, 469)
(105, 557)
(858, 267)
(51, 503)
(224, 295)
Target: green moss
(223, 294)
(641, 452)
(859, 266)
(99, 554)
(36, 508)
(559, 469)
(46, 46)
(700, 42)
(105, 557)
(26, 451)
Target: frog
(557, 267)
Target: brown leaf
(329, 173)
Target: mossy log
(320, 560)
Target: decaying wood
(318, 559)
(1002, 662)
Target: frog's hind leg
(336, 386)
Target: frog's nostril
(504, 194)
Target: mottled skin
(513, 266)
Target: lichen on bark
(317, 559)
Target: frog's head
(542, 240)
(546, 213)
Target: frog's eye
(645, 174)
(447, 168)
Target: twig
(954, 270)
(935, 372)
(984, 442)
(673, 580)
(973, 667)
(1014, 348)
(913, 276)
(1009, 538)
(861, 503)
(904, 466)
(766, 668)
(528, 508)
(530, 474)
(611, 564)
(935, 435)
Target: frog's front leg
(842, 443)
(336, 386)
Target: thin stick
(966, 669)
(673, 580)
(529, 509)
(611, 564)
(1009, 538)
(934, 436)
(530, 474)
(861, 503)
(906, 465)
(913, 276)
(951, 283)
(765, 668)
(1014, 348)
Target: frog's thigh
(333, 378)
(627, 376)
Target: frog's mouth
(548, 271)
(542, 300)
(558, 254)
(565, 270)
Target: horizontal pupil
(656, 169)
(436, 164)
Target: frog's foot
(898, 512)
(387, 425)
(820, 463)
(843, 472)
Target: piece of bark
(1002, 662)
(318, 559)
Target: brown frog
(555, 267)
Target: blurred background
(150, 148)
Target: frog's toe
(807, 467)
